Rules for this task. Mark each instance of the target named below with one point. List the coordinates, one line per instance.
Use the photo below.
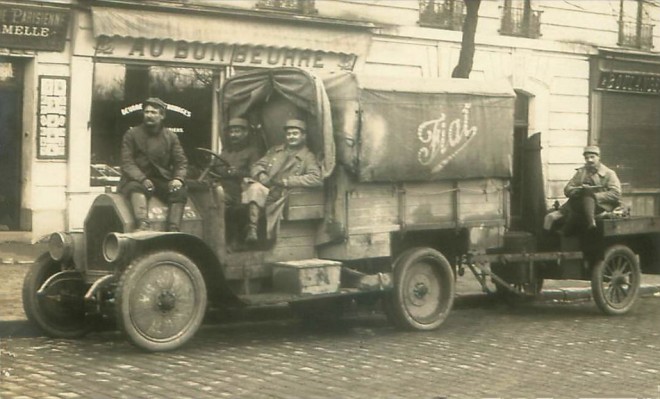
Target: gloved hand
(174, 185)
(148, 184)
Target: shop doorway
(11, 84)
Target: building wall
(552, 70)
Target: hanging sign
(53, 117)
(33, 27)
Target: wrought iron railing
(635, 35)
(305, 7)
(443, 14)
(521, 22)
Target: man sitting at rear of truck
(283, 167)
(594, 189)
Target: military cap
(156, 102)
(296, 123)
(591, 149)
(238, 122)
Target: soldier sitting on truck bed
(594, 189)
(283, 167)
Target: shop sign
(220, 53)
(53, 117)
(629, 82)
(33, 28)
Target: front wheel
(615, 280)
(161, 301)
(423, 292)
(60, 310)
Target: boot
(139, 204)
(175, 215)
(253, 215)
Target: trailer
(416, 190)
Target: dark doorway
(520, 132)
(11, 84)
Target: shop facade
(626, 122)
(34, 113)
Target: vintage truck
(416, 189)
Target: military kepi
(591, 149)
(296, 123)
(155, 102)
(238, 122)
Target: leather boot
(139, 204)
(175, 215)
(253, 215)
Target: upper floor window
(634, 28)
(443, 14)
(305, 7)
(519, 19)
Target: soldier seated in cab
(286, 166)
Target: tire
(161, 301)
(423, 293)
(615, 280)
(60, 313)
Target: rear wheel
(615, 280)
(161, 301)
(423, 292)
(60, 311)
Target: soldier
(594, 188)
(237, 157)
(153, 163)
(283, 167)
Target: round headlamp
(60, 246)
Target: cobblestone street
(555, 350)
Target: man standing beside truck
(153, 163)
(283, 167)
(594, 189)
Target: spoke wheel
(615, 280)
(60, 312)
(161, 301)
(423, 292)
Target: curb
(563, 295)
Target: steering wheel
(213, 159)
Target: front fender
(133, 245)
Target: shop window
(634, 29)
(520, 19)
(442, 14)
(116, 106)
(305, 7)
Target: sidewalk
(16, 258)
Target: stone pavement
(16, 258)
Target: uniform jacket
(145, 155)
(609, 193)
(301, 170)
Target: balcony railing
(305, 7)
(635, 35)
(521, 22)
(443, 14)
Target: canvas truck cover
(269, 97)
(393, 129)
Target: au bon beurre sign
(33, 27)
(220, 53)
